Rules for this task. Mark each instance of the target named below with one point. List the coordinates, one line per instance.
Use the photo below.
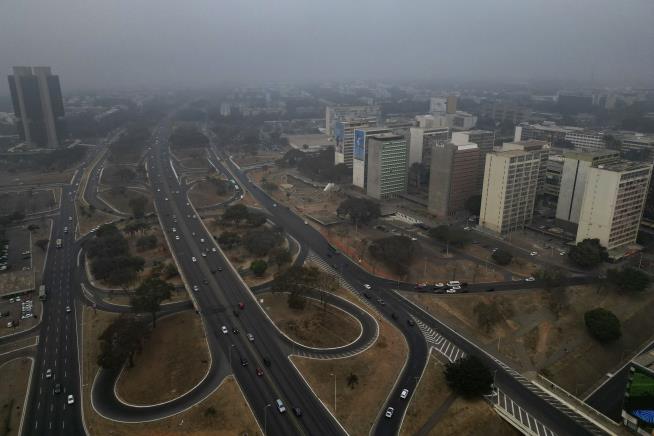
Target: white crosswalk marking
(532, 426)
(439, 343)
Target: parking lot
(15, 251)
(19, 312)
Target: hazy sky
(130, 43)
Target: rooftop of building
(510, 153)
(624, 166)
(646, 360)
(387, 136)
(590, 155)
(310, 140)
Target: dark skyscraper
(38, 106)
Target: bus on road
(42, 295)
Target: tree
(628, 279)
(397, 252)
(260, 241)
(352, 380)
(588, 253)
(280, 256)
(468, 377)
(137, 205)
(146, 242)
(229, 239)
(360, 210)
(603, 325)
(502, 257)
(149, 295)
(32, 227)
(256, 219)
(42, 244)
(236, 213)
(449, 235)
(488, 315)
(170, 270)
(120, 341)
(473, 205)
(258, 267)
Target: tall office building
(387, 165)
(453, 179)
(573, 180)
(539, 148)
(484, 140)
(38, 106)
(613, 203)
(344, 138)
(421, 141)
(334, 114)
(360, 154)
(509, 190)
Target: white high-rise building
(613, 203)
(387, 166)
(422, 139)
(360, 154)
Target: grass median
(14, 375)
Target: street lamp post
(265, 418)
(334, 375)
(232, 346)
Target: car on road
(438, 285)
(280, 405)
(177, 237)
(367, 286)
(297, 411)
(57, 388)
(48, 373)
(203, 254)
(381, 301)
(244, 361)
(205, 281)
(451, 291)
(410, 322)
(224, 330)
(259, 371)
(394, 315)
(71, 399)
(367, 295)
(194, 259)
(267, 362)
(234, 330)
(562, 253)
(70, 218)
(389, 412)
(404, 394)
(490, 290)
(274, 204)
(213, 249)
(220, 268)
(250, 337)
(533, 253)
(530, 279)
(67, 309)
(196, 288)
(202, 240)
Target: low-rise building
(638, 403)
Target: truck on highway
(42, 294)
(59, 243)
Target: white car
(177, 237)
(166, 198)
(48, 373)
(204, 254)
(213, 249)
(562, 253)
(71, 399)
(202, 240)
(194, 259)
(70, 218)
(439, 285)
(530, 279)
(250, 337)
(224, 330)
(367, 286)
(404, 394)
(451, 291)
(389, 412)
(67, 309)
(196, 288)
(533, 253)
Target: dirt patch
(376, 369)
(533, 335)
(11, 281)
(204, 193)
(317, 325)
(15, 376)
(261, 157)
(472, 418)
(34, 177)
(192, 158)
(174, 359)
(431, 392)
(225, 412)
(88, 218)
(120, 198)
(28, 201)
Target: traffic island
(224, 412)
(15, 376)
(362, 382)
(316, 325)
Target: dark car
(57, 388)
(244, 361)
(367, 295)
(463, 284)
(410, 322)
(220, 269)
(297, 411)
(394, 315)
(234, 330)
(205, 281)
(490, 289)
(266, 361)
